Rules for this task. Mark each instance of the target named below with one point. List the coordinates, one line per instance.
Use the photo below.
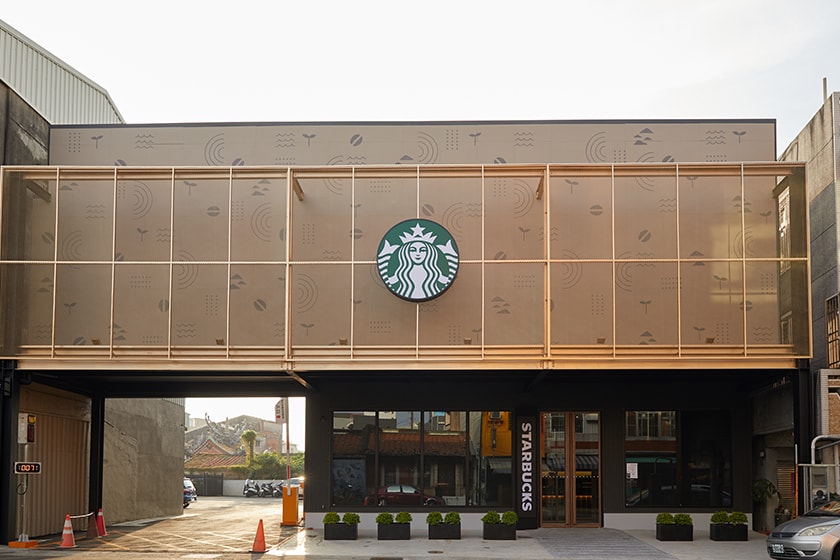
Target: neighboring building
(138, 448)
(212, 455)
(612, 307)
(818, 144)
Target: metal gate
(208, 484)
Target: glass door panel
(553, 469)
(570, 494)
(587, 467)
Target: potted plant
(727, 526)
(344, 528)
(670, 527)
(499, 527)
(444, 527)
(390, 528)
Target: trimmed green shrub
(403, 517)
(738, 518)
(665, 518)
(720, 517)
(350, 518)
(683, 519)
(385, 518)
(510, 518)
(331, 518)
(452, 518)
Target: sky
(370, 60)
(183, 61)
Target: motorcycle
(251, 489)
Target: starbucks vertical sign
(417, 260)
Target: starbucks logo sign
(417, 260)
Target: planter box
(393, 532)
(341, 532)
(727, 532)
(499, 532)
(445, 531)
(674, 532)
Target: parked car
(814, 535)
(190, 495)
(402, 495)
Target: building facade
(818, 145)
(470, 308)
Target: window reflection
(444, 455)
(678, 458)
(464, 458)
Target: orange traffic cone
(100, 524)
(67, 538)
(259, 540)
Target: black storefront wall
(609, 393)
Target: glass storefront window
(490, 459)
(678, 458)
(399, 448)
(444, 455)
(353, 457)
(464, 457)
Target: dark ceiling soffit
(121, 384)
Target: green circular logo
(417, 260)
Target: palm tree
(249, 438)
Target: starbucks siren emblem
(417, 260)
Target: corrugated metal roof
(59, 93)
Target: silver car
(814, 535)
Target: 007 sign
(27, 468)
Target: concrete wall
(144, 459)
(24, 134)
